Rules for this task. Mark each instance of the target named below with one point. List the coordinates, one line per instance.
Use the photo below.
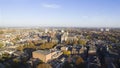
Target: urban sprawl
(59, 47)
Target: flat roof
(45, 52)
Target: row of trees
(43, 65)
(22, 47)
(47, 45)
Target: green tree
(1, 32)
(82, 42)
(1, 44)
(17, 38)
(47, 45)
(66, 52)
(44, 66)
(16, 60)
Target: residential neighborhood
(59, 48)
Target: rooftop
(45, 52)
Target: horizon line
(56, 27)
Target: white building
(107, 29)
(101, 29)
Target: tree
(6, 55)
(82, 42)
(16, 63)
(1, 44)
(67, 64)
(1, 32)
(79, 60)
(88, 37)
(68, 42)
(44, 66)
(16, 60)
(17, 38)
(75, 42)
(66, 52)
(47, 45)
(27, 45)
(20, 48)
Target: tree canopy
(82, 42)
(47, 45)
(44, 66)
(1, 44)
(66, 52)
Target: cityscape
(59, 34)
(59, 47)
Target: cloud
(51, 5)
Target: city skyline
(61, 13)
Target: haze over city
(62, 13)
(59, 34)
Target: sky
(61, 13)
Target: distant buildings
(46, 30)
(104, 29)
(64, 37)
(101, 29)
(107, 29)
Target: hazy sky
(82, 13)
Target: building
(46, 55)
(46, 30)
(64, 48)
(64, 37)
(107, 29)
(102, 29)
